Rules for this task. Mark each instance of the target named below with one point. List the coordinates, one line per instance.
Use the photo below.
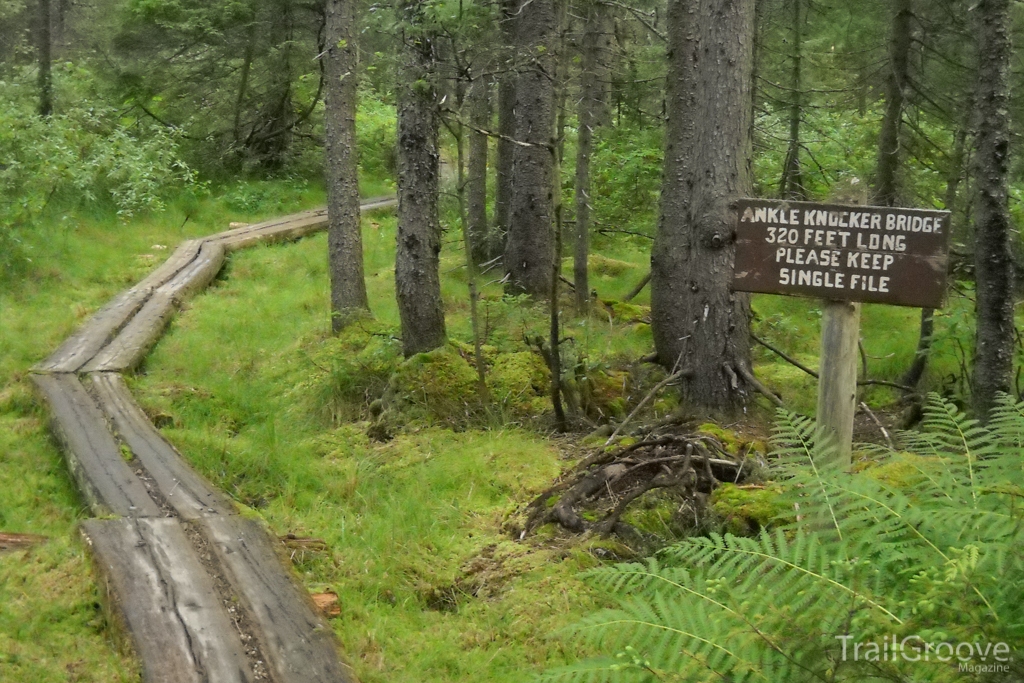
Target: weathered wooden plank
(299, 646)
(93, 456)
(284, 232)
(131, 345)
(97, 332)
(270, 225)
(165, 602)
(288, 228)
(189, 494)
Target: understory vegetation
(536, 497)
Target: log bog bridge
(200, 593)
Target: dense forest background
(133, 104)
(448, 401)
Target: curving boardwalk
(201, 594)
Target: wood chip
(327, 603)
(19, 541)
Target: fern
(938, 554)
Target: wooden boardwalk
(201, 594)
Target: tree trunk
(476, 184)
(344, 240)
(924, 340)
(530, 249)
(590, 115)
(45, 61)
(271, 136)
(698, 323)
(791, 185)
(887, 190)
(418, 242)
(504, 148)
(992, 257)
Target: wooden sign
(842, 253)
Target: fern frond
(788, 566)
(794, 441)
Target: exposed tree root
(608, 482)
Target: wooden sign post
(844, 255)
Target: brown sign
(843, 253)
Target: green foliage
(354, 369)
(376, 133)
(84, 155)
(626, 177)
(938, 559)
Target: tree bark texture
(530, 247)
(697, 321)
(476, 188)
(792, 184)
(887, 189)
(993, 260)
(418, 242)
(45, 60)
(344, 240)
(927, 329)
(591, 106)
(504, 148)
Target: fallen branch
(782, 354)
(18, 541)
(878, 423)
(639, 287)
(795, 363)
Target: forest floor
(394, 492)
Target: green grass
(51, 626)
(431, 584)
(889, 336)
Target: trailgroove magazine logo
(972, 657)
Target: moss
(655, 514)
(746, 509)
(439, 385)
(900, 471)
(354, 366)
(734, 442)
(603, 266)
(626, 312)
(603, 392)
(515, 379)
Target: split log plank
(158, 592)
(93, 456)
(288, 228)
(131, 345)
(299, 646)
(86, 342)
(187, 492)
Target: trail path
(201, 594)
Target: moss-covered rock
(519, 383)
(746, 509)
(627, 312)
(439, 385)
(603, 266)
(603, 393)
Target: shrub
(84, 155)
